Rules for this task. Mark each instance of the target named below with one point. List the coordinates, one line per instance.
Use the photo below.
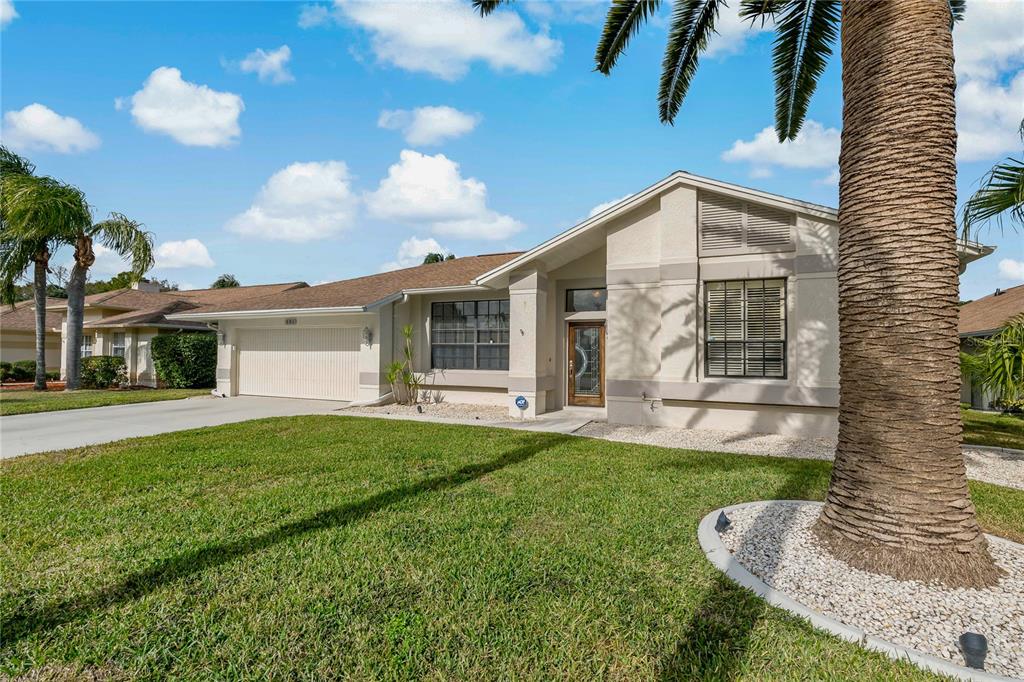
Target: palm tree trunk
(84, 258)
(41, 262)
(898, 501)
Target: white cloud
(1011, 269)
(7, 12)
(313, 15)
(832, 179)
(192, 114)
(445, 38)
(188, 253)
(299, 203)
(430, 191)
(428, 125)
(601, 208)
(990, 38)
(732, 32)
(815, 147)
(272, 66)
(412, 251)
(988, 116)
(37, 127)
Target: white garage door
(318, 362)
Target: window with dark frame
(745, 328)
(469, 335)
(586, 300)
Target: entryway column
(528, 333)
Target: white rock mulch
(443, 410)
(775, 543)
(1004, 467)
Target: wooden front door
(586, 363)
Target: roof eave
(255, 314)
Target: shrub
(6, 369)
(103, 371)
(187, 360)
(23, 370)
(53, 376)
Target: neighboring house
(18, 333)
(692, 303)
(123, 322)
(980, 319)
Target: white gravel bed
(775, 543)
(1002, 468)
(484, 413)
(714, 441)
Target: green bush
(6, 369)
(187, 360)
(53, 376)
(23, 370)
(103, 371)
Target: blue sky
(287, 141)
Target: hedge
(187, 360)
(22, 370)
(103, 371)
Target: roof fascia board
(284, 312)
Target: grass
(28, 401)
(992, 428)
(339, 547)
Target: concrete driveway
(24, 434)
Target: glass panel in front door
(587, 361)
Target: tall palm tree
(126, 238)
(36, 215)
(1002, 191)
(898, 501)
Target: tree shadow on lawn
(714, 643)
(175, 568)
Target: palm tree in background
(225, 281)
(123, 236)
(36, 215)
(898, 501)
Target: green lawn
(327, 547)
(992, 428)
(24, 402)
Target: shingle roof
(150, 317)
(988, 314)
(135, 299)
(363, 291)
(22, 317)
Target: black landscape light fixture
(974, 648)
(723, 523)
(419, 408)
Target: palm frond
(999, 365)
(956, 11)
(764, 10)
(127, 238)
(11, 163)
(16, 257)
(1002, 193)
(485, 7)
(624, 19)
(805, 33)
(693, 22)
(35, 208)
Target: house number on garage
(291, 320)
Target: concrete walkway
(24, 434)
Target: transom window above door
(469, 335)
(586, 300)
(745, 328)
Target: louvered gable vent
(729, 225)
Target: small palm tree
(123, 236)
(225, 281)
(997, 363)
(899, 468)
(1002, 191)
(36, 215)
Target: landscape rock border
(720, 557)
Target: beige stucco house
(123, 322)
(18, 333)
(692, 303)
(981, 319)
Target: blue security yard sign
(521, 402)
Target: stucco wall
(17, 345)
